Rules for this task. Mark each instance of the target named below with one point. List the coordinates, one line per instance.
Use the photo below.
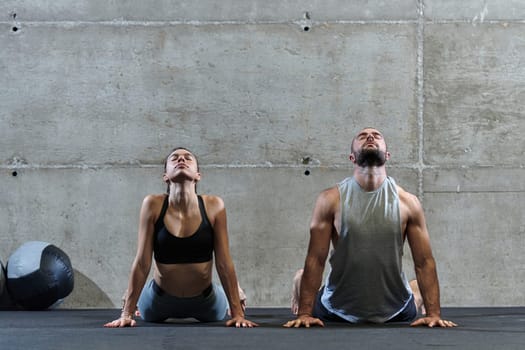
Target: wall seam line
(420, 96)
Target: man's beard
(370, 157)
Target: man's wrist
(433, 313)
(126, 315)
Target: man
(367, 218)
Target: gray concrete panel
(95, 93)
(495, 179)
(79, 94)
(227, 10)
(477, 233)
(476, 11)
(478, 241)
(92, 214)
(474, 85)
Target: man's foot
(242, 297)
(294, 304)
(137, 312)
(418, 299)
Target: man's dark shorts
(408, 314)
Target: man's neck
(370, 178)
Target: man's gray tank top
(366, 282)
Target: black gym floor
(479, 328)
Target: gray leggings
(155, 305)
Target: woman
(182, 231)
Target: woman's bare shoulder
(213, 203)
(152, 205)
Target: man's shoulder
(328, 199)
(330, 192)
(403, 193)
(411, 201)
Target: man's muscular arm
(321, 228)
(424, 263)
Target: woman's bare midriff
(183, 280)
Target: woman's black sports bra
(196, 248)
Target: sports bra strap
(160, 221)
(202, 209)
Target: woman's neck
(181, 196)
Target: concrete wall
(95, 93)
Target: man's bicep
(321, 226)
(417, 233)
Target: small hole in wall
(14, 173)
(306, 28)
(307, 172)
(15, 29)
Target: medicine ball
(39, 275)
